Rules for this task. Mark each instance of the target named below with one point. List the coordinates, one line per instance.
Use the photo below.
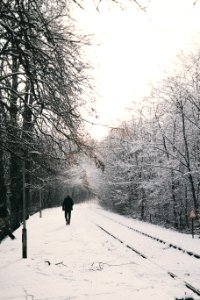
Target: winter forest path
(81, 261)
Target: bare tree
(41, 81)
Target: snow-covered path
(81, 261)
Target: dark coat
(67, 204)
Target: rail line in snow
(190, 253)
(118, 239)
(171, 274)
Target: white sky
(82, 262)
(134, 49)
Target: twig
(98, 266)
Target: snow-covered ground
(81, 261)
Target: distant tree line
(152, 164)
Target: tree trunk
(15, 162)
(3, 189)
(27, 130)
(174, 201)
(191, 180)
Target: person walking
(67, 206)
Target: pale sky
(133, 49)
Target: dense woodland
(42, 78)
(148, 167)
(153, 161)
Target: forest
(42, 77)
(153, 161)
(147, 168)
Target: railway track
(171, 274)
(171, 245)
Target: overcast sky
(132, 49)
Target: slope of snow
(81, 261)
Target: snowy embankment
(81, 261)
